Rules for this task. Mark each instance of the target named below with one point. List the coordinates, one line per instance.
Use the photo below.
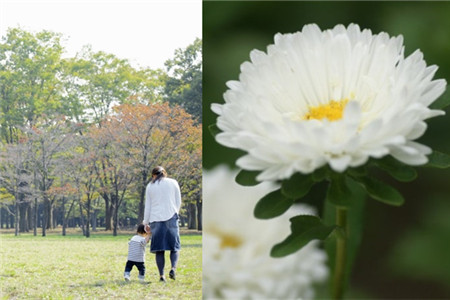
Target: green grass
(74, 267)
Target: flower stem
(341, 254)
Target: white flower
(332, 97)
(236, 255)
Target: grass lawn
(75, 267)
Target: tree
(184, 84)
(63, 146)
(81, 177)
(48, 141)
(29, 87)
(15, 178)
(150, 135)
(98, 81)
(113, 170)
(191, 187)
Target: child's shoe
(141, 279)
(126, 276)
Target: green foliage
(438, 160)
(272, 205)
(339, 193)
(102, 80)
(380, 191)
(297, 186)
(184, 83)
(396, 169)
(6, 197)
(29, 66)
(304, 229)
(247, 178)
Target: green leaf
(297, 186)
(214, 130)
(358, 172)
(438, 160)
(320, 174)
(304, 229)
(396, 169)
(338, 192)
(272, 205)
(247, 178)
(380, 191)
(441, 102)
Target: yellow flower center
(229, 241)
(332, 111)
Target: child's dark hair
(141, 229)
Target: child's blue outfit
(136, 256)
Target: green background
(405, 252)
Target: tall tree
(113, 170)
(101, 80)
(48, 140)
(184, 83)
(29, 86)
(150, 135)
(15, 178)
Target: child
(136, 253)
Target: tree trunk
(17, 218)
(141, 205)
(50, 216)
(94, 220)
(192, 224)
(29, 216)
(82, 219)
(114, 206)
(35, 223)
(12, 219)
(64, 216)
(115, 222)
(23, 214)
(142, 197)
(199, 215)
(88, 215)
(45, 217)
(1, 217)
(107, 213)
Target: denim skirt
(165, 235)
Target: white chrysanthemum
(236, 255)
(332, 97)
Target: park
(79, 138)
(73, 267)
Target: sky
(146, 32)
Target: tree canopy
(84, 132)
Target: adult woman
(162, 205)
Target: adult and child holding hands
(160, 226)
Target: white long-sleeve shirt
(162, 200)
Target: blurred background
(405, 252)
